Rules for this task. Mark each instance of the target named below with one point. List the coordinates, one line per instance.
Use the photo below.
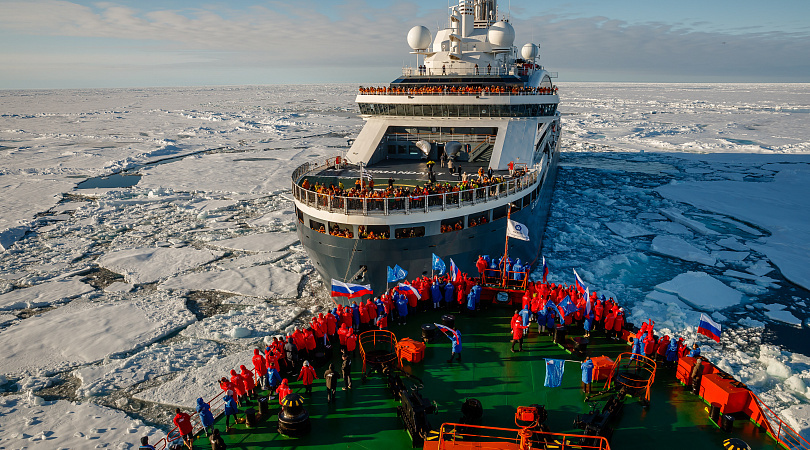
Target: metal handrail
(781, 431)
(444, 92)
(416, 203)
(448, 435)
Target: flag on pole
(579, 282)
(517, 230)
(455, 333)
(568, 306)
(438, 265)
(545, 270)
(455, 273)
(554, 372)
(396, 274)
(364, 174)
(587, 302)
(348, 290)
(407, 289)
(709, 327)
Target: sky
(85, 44)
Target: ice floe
(259, 281)
(244, 325)
(701, 291)
(147, 265)
(678, 248)
(45, 294)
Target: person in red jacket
(382, 322)
(250, 385)
(351, 341)
(183, 423)
(309, 339)
(481, 265)
(342, 333)
(283, 390)
(226, 385)
(618, 323)
(307, 375)
(260, 367)
(517, 332)
(609, 319)
(238, 388)
(661, 348)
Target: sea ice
(672, 228)
(733, 244)
(258, 281)
(45, 294)
(627, 229)
(678, 248)
(677, 217)
(83, 332)
(250, 324)
(262, 242)
(184, 389)
(148, 364)
(779, 313)
(150, 264)
(798, 417)
(728, 256)
(701, 291)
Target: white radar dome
(501, 34)
(529, 51)
(419, 37)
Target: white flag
(517, 230)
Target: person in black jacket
(346, 369)
(216, 441)
(331, 383)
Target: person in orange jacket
(260, 367)
(283, 390)
(239, 388)
(351, 341)
(517, 332)
(307, 375)
(183, 423)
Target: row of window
(386, 109)
(447, 225)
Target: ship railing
(781, 431)
(416, 203)
(446, 92)
(442, 137)
(430, 72)
(453, 435)
(217, 407)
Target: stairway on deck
(482, 152)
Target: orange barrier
(410, 350)
(378, 341)
(637, 363)
(481, 437)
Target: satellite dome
(501, 34)
(529, 52)
(419, 37)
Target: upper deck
(399, 187)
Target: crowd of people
(457, 90)
(548, 305)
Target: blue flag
(438, 265)
(568, 306)
(554, 372)
(391, 277)
(399, 272)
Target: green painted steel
(365, 417)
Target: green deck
(366, 416)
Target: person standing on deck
(260, 367)
(346, 371)
(183, 423)
(307, 375)
(402, 308)
(455, 337)
(283, 391)
(587, 375)
(204, 413)
(695, 350)
(517, 332)
(331, 383)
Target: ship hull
(340, 258)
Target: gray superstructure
(473, 104)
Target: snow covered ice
(672, 198)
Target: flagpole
(504, 275)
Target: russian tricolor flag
(709, 327)
(455, 273)
(545, 270)
(340, 289)
(407, 289)
(579, 282)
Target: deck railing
(464, 436)
(781, 431)
(416, 203)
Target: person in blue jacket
(587, 324)
(231, 409)
(455, 337)
(402, 308)
(551, 315)
(436, 294)
(204, 412)
(518, 269)
(449, 298)
(525, 315)
(672, 352)
(356, 315)
(695, 351)
(274, 380)
(472, 299)
(587, 375)
(541, 321)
